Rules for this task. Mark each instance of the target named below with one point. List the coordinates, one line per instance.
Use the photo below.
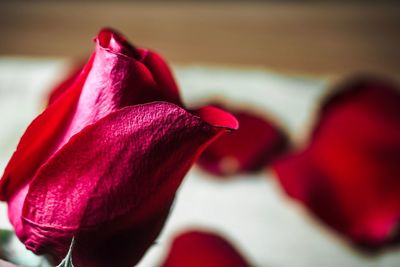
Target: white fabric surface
(251, 211)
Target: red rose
(349, 175)
(250, 148)
(199, 249)
(103, 161)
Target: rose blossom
(102, 163)
(349, 174)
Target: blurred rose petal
(199, 249)
(255, 144)
(349, 175)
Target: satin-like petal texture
(141, 154)
(198, 249)
(103, 161)
(349, 175)
(250, 148)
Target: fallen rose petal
(199, 249)
(348, 174)
(250, 148)
(102, 163)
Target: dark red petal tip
(115, 42)
(198, 249)
(217, 117)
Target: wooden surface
(323, 38)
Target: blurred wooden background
(297, 37)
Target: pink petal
(115, 177)
(256, 143)
(348, 174)
(199, 249)
(115, 43)
(165, 88)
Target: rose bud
(102, 163)
(349, 174)
(249, 149)
(198, 249)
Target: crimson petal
(256, 143)
(199, 249)
(123, 189)
(348, 174)
(64, 85)
(40, 138)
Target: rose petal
(199, 249)
(105, 175)
(217, 117)
(250, 148)
(304, 181)
(352, 162)
(162, 75)
(66, 84)
(40, 138)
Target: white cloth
(251, 211)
